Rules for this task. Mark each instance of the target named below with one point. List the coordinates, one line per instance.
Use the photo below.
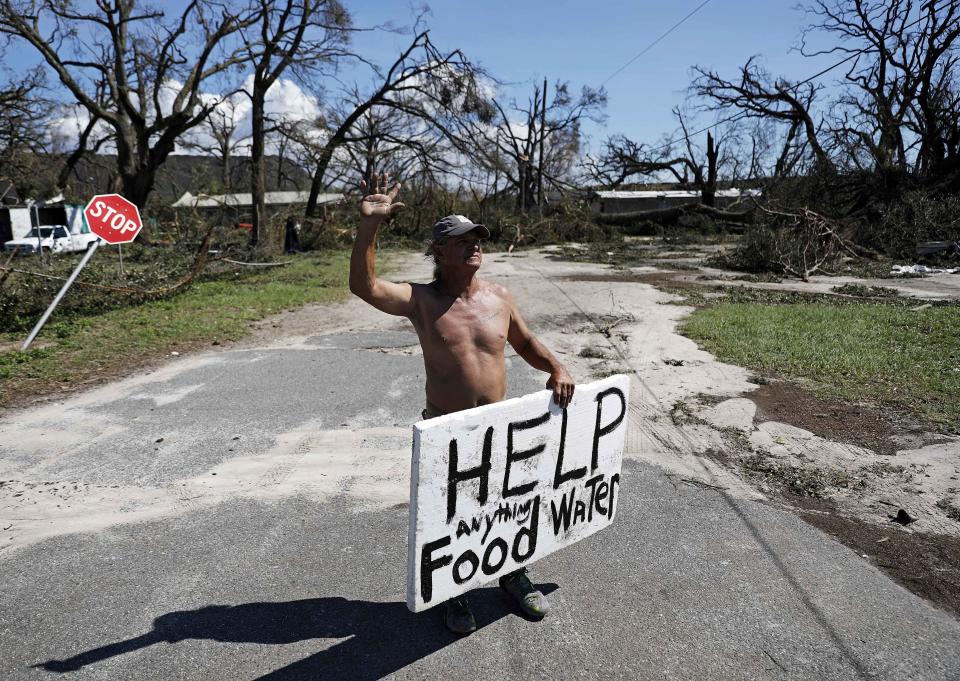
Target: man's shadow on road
(384, 637)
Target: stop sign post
(112, 218)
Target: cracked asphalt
(241, 514)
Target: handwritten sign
(498, 487)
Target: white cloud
(67, 125)
(285, 101)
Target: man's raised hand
(380, 202)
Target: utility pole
(36, 220)
(524, 166)
(543, 133)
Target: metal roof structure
(675, 194)
(244, 199)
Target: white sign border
(620, 381)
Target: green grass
(111, 343)
(861, 291)
(880, 353)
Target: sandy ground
(241, 513)
(691, 416)
(623, 326)
(931, 287)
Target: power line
(651, 45)
(825, 71)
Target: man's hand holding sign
(464, 323)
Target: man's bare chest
(468, 326)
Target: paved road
(241, 515)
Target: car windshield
(44, 232)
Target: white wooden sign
(498, 487)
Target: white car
(52, 239)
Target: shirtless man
(464, 324)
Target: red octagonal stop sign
(112, 218)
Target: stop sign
(112, 218)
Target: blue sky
(521, 41)
(584, 43)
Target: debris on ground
(903, 518)
(922, 269)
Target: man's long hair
(432, 254)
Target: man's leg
(527, 596)
(458, 616)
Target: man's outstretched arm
(539, 357)
(384, 295)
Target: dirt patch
(926, 564)
(853, 424)
(704, 399)
(677, 283)
(12, 346)
(652, 278)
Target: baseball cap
(455, 225)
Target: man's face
(464, 251)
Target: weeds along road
(242, 514)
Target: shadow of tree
(383, 637)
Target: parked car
(54, 239)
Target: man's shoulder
(431, 291)
(496, 289)
(425, 290)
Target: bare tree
(87, 141)
(422, 82)
(299, 35)
(623, 158)
(218, 136)
(757, 95)
(23, 117)
(551, 131)
(135, 70)
(900, 106)
(898, 113)
(390, 141)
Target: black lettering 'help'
(598, 431)
(560, 476)
(456, 476)
(513, 456)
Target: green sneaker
(458, 617)
(531, 601)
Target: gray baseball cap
(455, 225)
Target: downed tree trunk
(670, 216)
